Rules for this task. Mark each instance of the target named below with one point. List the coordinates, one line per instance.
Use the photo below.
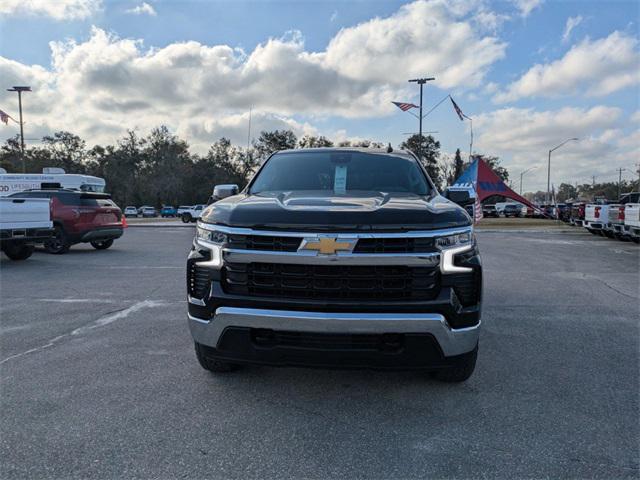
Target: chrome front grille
(331, 282)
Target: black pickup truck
(336, 257)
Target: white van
(19, 182)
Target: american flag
(457, 109)
(4, 118)
(477, 211)
(405, 106)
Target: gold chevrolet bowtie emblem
(327, 246)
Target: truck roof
(376, 151)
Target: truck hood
(318, 211)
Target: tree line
(588, 191)
(158, 169)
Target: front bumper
(593, 225)
(280, 328)
(451, 342)
(27, 235)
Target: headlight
(213, 241)
(210, 236)
(450, 246)
(459, 239)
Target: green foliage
(309, 141)
(428, 151)
(269, 142)
(565, 192)
(458, 166)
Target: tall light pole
(549, 168)
(20, 90)
(522, 173)
(620, 170)
(421, 82)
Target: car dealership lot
(99, 378)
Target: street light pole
(522, 174)
(20, 90)
(620, 170)
(549, 168)
(421, 82)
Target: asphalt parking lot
(99, 378)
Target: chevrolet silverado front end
(337, 258)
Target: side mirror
(224, 191)
(461, 197)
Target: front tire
(211, 364)
(18, 251)
(102, 244)
(461, 370)
(186, 218)
(59, 243)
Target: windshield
(341, 172)
(88, 187)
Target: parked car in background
(576, 214)
(512, 210)
(489, 211)
(168, 211)
(130, 211)
(616, 222)
(596, 218)
(183, 209)
(193, 214)
(563, 211)
(79, 217)
(11, 183)
(632, 221)
(24, 222)
(149, 212)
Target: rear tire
(102, 244)
(59, 243)
(461, 370)
(211, 364)
(186, 218)
(18, 251)
(608, 234)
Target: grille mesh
(395, 245)
(264, 242)
(331, 282)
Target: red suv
(80, 217)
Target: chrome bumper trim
(312, 258)
(452, 341)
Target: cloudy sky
(530, 73)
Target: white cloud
(490, 21)
(635, 117)
(420, 38)
(572, 22)
(57, 9)
(525, 7)
(100, 87)
(597, 68)
(522, 137)
(143, 9)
